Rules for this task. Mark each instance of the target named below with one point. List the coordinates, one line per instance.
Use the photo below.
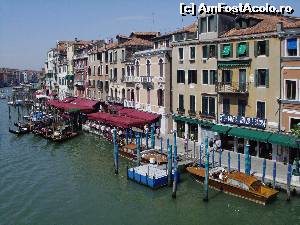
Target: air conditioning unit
(204, 60)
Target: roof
(189, 28)
(141, 33)
(266, 24)
(136, 42)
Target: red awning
(133, 113)
(115, 107)
(84, 102)
(116, 120)
(83, 106)
(68, 100)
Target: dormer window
(208, 24)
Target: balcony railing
(207, 115)
(129, 104)
(180, 111)
(233, 87)
(146, 79)
(79, 82)
(192, 112)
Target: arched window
(98, 83)
(160, 97)
(89, 82)
(128, 94)
(89, 71)
(128, 70)
(148, 67)
(94, 83)
(123, 93)
(132, 95)
(111, 93)
(137, 90)
(116, 93)
(137, 65)
(99, 70)
(161, 68)
(94, 72)
(132, 70)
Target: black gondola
(20, 131)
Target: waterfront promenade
(256, 163)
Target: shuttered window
(181, 76)
(262, 78)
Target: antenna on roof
(153, 21)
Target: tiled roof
(266, 24)
(145, 33)
(189, 28)
(136, 42)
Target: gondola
(20, 131)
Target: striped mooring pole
(126, 136)
(200, 154)
(138, 152)
(116, 151)
(152, 137)
(288, 182)
(229, 161)
(274, 174)
(205, 198)
(264, 166)
(147, 141)
(239, 162)
(130, 133)
(247, 160)
(175, 175)
(161, 145)
(220, 157)
(170, 165)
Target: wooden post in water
(264, 166)
(175, 146)
(194, 149)
(229, 160)
(200, 154)
(168, 143)
(147, 143)
(220, 157)
(205, 198)
(161, 146)
(116, 151)
(213, 156)
(175, 175)
(126, 136)
(138, 151)
(288, 182)
(274, 174)
(170, 165)
(239, 162)
(152, 136)
(247, 160)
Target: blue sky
(29, 28)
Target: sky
(29, 28)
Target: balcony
(146, 79)
(79, 67)
(161, 79)
(129, 104)
(180, 111)
(78, 82)
(232, 88)
(207, 115)
(192, 113)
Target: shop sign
(243, 121)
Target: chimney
(76, 39)
(279, 27)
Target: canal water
(74, 183)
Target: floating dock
(153, 176)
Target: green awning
(234, 63)
(256, 135)
(220, 129)
(284, 140)
(242, 49)
(226, 50)
(74, 110)
(192, 120)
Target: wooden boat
(236, 183)
(128, 151)
(19, 131)
(152, 154)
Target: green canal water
(74, 183)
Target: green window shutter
(267, 78)
(207, 51)
(231, 50)
(231, 72)
(267, 47)
(237, 50)
(221, 50)
(255, 48)
(216, 53)
(247, 49)
(256, 78)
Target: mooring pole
(274, 174)
(220, 157)
(175, 147)
(161, 146)
(126, 136)
(130, 133)
(152, 137)
(200, 154)
(147, 143)
(247, 160)
(170, 165)
(288, 182)
(264, 166)
(205, 198)
(168, 144)
(116, 148)
(175, 175)
(213, 156)
(138, 156)
(239, 162)
(229, 161)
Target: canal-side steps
(153, 176)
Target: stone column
(186, 130)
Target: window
(262, 78)
(212, 51)
(106, 69)
(161, 68)
(192, 76)
(59, 81)
(242, 49)
(148, 68)
(123, 73)
(181, 102)
(226, 106)
(292, 47)
(167, 43)
(241, 107)
(192, 53)
(192, 103)
(101, 70)
(203, 25)
(226, 76)
(208, 105)
(94, 70)
(115, 56)
(98, 70)
(128, 70)
(148, 97)
(212, 77)
(110, 57)
(89, 71)
(156, 45)
(137, 65)
(123, 55)
(180, 129)
(180, 54)
(226, 50)
(261, 48)
(290, 89)
(181, 76)
(205, 52)
(294, 123)
(115, 73)
(160, 97)
(132, 70)
(204, 76)
(260, 108)
(212, 24)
